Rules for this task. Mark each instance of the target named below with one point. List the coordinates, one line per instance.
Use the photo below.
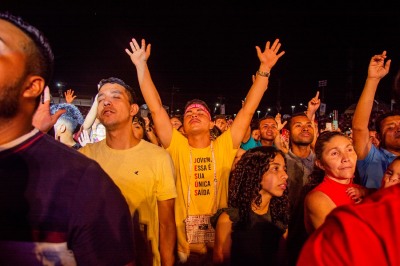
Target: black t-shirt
(56, 204)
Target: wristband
(263, 74)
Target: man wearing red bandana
(202, 165)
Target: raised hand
(278, 121)
(42, 119)
(313, 104)
(138, 54)
(84, 138)
(271, 54)
(377, 66)
(69, 96)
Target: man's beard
(9, 101)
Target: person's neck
(67, 139)
(264, 206)
(199, 141)
(265, 142)
(395, 151)
(11, 129)
(302, 151)
(121, 139)
(344, 181)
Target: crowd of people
(116, 187)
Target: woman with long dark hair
(251, 230)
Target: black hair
(381, 117)
(220, 116)
(40, 58)
(299, 114)
(245, 185)
(131, 93)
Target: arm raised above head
(91, 115)
(139, 55)
(377, 69)
(268, 59)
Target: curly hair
(73, 117)
(245, 186)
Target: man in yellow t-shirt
(198, 160)
(143, 171)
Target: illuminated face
(256, 134)
(373, 138)
(301, 131)
(12, 67)
(274, 181)
(196, 120)
(390, 128)
(175, 122)
(221, 124)
(114, 108)
(392, 174)
(338, 158)
(268, 129)
(137, 130)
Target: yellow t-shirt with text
(195, 167)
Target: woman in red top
(336, 157)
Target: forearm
(148, 89)
(364, 106)
(91, 115)
(167, 243)
(152, 136)
(244, 116)
(279, 144)
(168, 233)
(256, 92)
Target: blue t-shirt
(373, 167)
(251, 143)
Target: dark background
(207, 50)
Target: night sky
(207, 50)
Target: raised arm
(268, 59)
(43, 119)
(313, 106)
(69, 96)
(91, 116)
(139, 56)
(376, 71)
(278, 141)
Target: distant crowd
(111, 185)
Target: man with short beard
(57, 206)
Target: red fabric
(336, 191)
(363, 234)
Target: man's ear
(63, 128)
(319, 164)
(212, 124)
(134, 109)
(33, 87)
